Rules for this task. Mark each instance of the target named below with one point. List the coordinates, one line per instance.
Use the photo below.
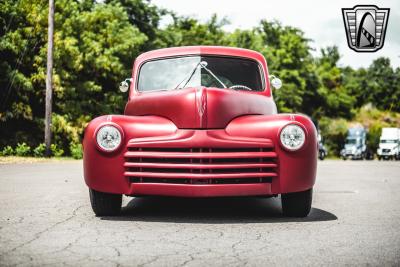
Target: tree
(383, 85)
(185, 31)
(23, 37)
(145, 16)
(288, 54)
(94, 45)
(333, 98)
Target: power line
(15, 69)
(19, 61)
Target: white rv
(389, 144)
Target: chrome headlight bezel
(113, 133)
(300, 136)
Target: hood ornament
(201, 104)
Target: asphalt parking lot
(46, 219)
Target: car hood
(200, 107)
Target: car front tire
(297, 204)
(105, 204)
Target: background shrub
(64, 132)
(334, 132)
(76, 150)
(56, 151)
(39, 150)
(7, 151)
(22, 150)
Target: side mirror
(276, 83)
(124, 85)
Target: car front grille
(200, 165)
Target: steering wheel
(239, 86)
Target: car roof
(200, 50)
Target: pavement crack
(117, 251)
(187, 261)
(39, 234)
(149, 262)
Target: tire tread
(105, 204)
(297, 204)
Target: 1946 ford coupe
(200, 121)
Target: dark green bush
(76, 150)
(40, 150)
(7, 151)
(56, 151)
(22, 150)
(334, 132)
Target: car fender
(100, 177)
(297, 169)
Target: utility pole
(49, 80)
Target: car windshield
(351, 141)
(388, 141)
(192, 71)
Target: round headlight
(292, 137)
(108, 138)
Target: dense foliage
(96, 41)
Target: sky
(321, 21)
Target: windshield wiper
(203, 65)
(188, 78)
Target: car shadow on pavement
(212, 210)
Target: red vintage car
(200, 121)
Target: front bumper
(188, 190)
(386, 152)
(350, 154)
